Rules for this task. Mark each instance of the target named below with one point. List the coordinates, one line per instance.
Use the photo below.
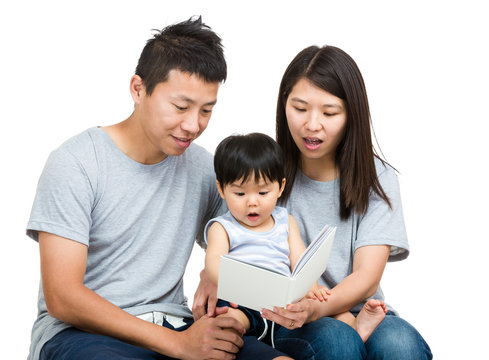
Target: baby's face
(252, 202)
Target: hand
(212, 338)
(318, 292)
(293, 316)
(206, 295)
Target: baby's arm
(217, 245)
(296, 245)
(296, 249)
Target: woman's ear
(219, 188)
(137, 89)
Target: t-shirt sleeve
(63, 201)
(384, 225)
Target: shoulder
(78, 152)
(386, 174)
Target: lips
(312, 143)
(182, 142)
(252, 216)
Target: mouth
(252, 216)
(182, 141)
(312, 143)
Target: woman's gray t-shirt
(314, 204)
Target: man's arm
(63, 264)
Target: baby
(250, 178)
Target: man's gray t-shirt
(314, 204)
(138, 221)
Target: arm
(296, 245)
(296, 249)
(217, 245)
(368, 266)
(206, 293)
(63, 264)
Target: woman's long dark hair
(334, 71)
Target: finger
(277, 318)
(229, 323)
(198, 310)
(221, 310)
(234, 305)
(211, 305)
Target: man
(117, 210)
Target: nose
(252, 200)
(191, 123)
(313, 123)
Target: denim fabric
(74, 344)
(328, 338)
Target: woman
(335, 177)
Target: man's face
(177, 111)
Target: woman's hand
(294, 315)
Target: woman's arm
(368, 266)
(63, 264)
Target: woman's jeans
(328, 338)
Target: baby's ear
(219, 188)
(282, 187)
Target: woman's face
(316, 120)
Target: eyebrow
(191, 101)
(299, 100)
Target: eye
(263, 192)
(239, 193)
(300, 109)
(180, 108)
(206, 111)
(329, 114)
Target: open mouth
(312, 143)
(253, 216)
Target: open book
(256, 287)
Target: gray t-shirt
(316, 203)
(138, 221)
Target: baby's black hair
(240, 156)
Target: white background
(65, 66)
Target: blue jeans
(328, 338)
(74, 344)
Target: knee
(397, 340)
(325, 338)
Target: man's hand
(206, 295)
(212, 338)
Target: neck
(130, 138)
(323, 169)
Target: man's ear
(219, 188)
(137, 89)
(282, 187)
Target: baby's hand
(318, 292)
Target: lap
(395, 338)
(328, 338)
(74, 344)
